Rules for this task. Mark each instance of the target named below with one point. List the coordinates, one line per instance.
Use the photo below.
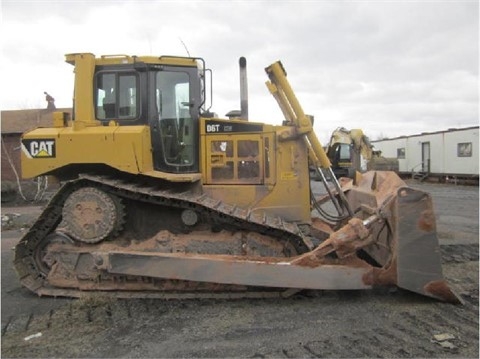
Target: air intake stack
(243, 89)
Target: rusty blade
(419, 267)
(264, 272)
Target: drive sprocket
(91, 215)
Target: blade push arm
(281, 90)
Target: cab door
(426, 157)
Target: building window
(464, 149)
(401, 152)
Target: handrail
(420, 164)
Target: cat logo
(41, 148)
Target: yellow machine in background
(162, 198)
(350, 151)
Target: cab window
(117, 96)
(344, 154)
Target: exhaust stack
(243, 89)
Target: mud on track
(380, 323)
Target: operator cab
(341, 157)
(167, 97)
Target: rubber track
(220, 212)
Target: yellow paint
(284, 190)
(282, 186)
(124, 148)
(293, 112)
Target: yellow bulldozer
(161, 198)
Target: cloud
(387, 67)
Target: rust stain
(308, 260)
(350, 238)
(426, 221)
(381, 184)
(386, 275)
(311, 260)
(440, 289)
(318, 224)
(345, 183)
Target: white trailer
(443, 154)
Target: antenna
(185, 46)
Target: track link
(221, 213)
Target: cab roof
(120, 59)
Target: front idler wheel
(43, 259)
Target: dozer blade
(419, 267)
(410, 257)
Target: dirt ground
(380, 323)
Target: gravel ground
(379, 323)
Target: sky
(391, 68)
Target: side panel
(126, 148)
(244, 163)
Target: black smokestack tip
(242, 61)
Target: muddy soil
(383, 322)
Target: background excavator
(161, 198)
(350, 151)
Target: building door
(426, 157)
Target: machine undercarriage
(132, 239)
(58, 252)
